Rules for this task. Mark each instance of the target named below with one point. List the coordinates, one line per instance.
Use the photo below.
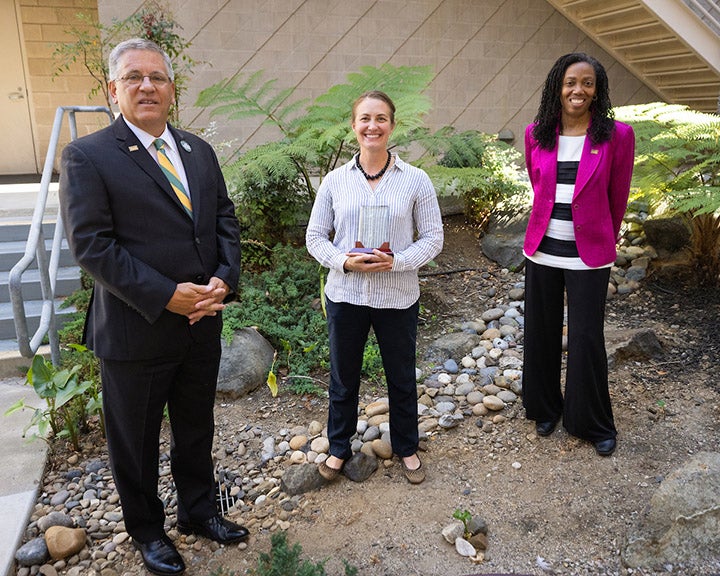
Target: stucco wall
(489, 57)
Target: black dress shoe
(161, 557)
(216, 528)
(605, 447)
(545, 428)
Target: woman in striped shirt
(372, 279)
(579, 160)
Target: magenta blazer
(600, 198)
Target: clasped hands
(196, 300)
(376, 261)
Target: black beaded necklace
(373, 176)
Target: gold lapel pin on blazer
(594, 151)
(133, 148)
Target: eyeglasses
(135, 79)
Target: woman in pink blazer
(580, 163)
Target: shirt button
(197, 240)
(199, 278)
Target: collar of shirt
(170, 147)
(350, 165)
(147, 139)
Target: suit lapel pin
(133, 148)
(186, 146)
(594, 151)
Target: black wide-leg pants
(585, 408)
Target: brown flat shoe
(416, 476)
(328, 473)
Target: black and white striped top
(558, 248)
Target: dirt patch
(551, 504)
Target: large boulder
(503, 240)
(667, 235)
(245, 363)
(681, 524)
(633, 344)
(453, 345)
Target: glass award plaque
(373, 230)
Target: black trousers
(585, 408)
(396, 333)
(134, 397)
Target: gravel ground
(552, 506)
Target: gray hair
(136, 44)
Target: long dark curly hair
(550, 110)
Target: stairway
(17, 202)
(673, 46)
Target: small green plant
(372, 366)
(464, 516)
(66, 407)
(285, 560)
(306, 386)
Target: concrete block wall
(44, 23)
(489, 57)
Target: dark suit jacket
(128, 230)
(600, 197)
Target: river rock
(464, 548)
(320, 445)
(63, 542)
(493, 403)
(360, 467)
(32, 552)
(55, 518)
(300, 479)
(453, 531)
(381, 448)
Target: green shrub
(480, 169)
(279, 302)
(677, 171)
(285, 560)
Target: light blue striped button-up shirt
(415, 235)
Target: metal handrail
(35, 248)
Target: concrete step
(17, 228)
(12, 252)
(33, 308)
(13, 364)
(19, 199)
(67, 282)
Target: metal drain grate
(224, 499)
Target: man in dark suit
(152, 223)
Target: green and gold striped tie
(172, 175)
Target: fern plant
(314, 137)
(475, 166)
(677, 170)
(275, 183)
